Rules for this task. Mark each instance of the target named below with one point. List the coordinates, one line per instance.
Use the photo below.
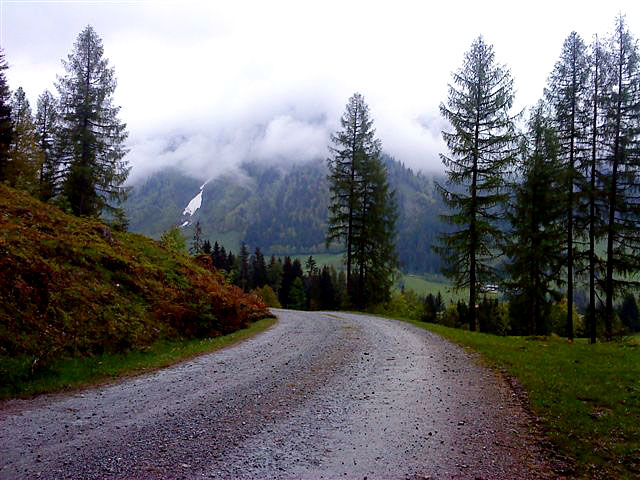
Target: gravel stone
(319, 395)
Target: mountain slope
(282, 210)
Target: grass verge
(587, 396)
(67, 374)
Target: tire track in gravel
(320, 395)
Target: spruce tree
(196, 244)
(258, 270)
(6, 126)
(25, 156)
(353, 143)
(243, 267)
(46, 128)
(274, 274)
(91, 135)
(621, 165)
(482, 146)
(535, 246)
(566, 93)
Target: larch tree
(592, 220)
(353, 143)
(482, 147)
(46, 123)
(621, 160)
(6, 126)
(91, 135)
(374, 233)
(566, 93)
(536, 247)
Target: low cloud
(205, 86)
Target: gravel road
(319, 395)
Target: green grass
(66, 374)
(425, 286)
(330, 259)
(588, 396)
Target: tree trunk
(613, 191)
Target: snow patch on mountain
(195, 203)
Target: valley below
(319, 395)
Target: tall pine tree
(91, 135)
(482, 146)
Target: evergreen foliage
(6, 126)
(621, 157)
(47, 124)
(628, 313)
(568, 85)
(592, 217)
(91, 136)
(174, 241)
(362, 210)
(535, 246)
(25, 156)
(196, 244)
(351, 146)
(482, 147)
(243, 268)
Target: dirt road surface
(319, 395)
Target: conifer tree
(25, 156)
(206, 247)
(196, 244)
(566, 93)
(243, 267)
(621, 165)
(258, 270)
(353, 143)
(374, 233)
(310, 265)
(482, 145)
(91, 135)
(274, 274)
(46, 128)
(6, 126)
(592, 184)
(535, 246)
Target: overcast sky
(206, 85)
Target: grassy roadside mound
(71, 287)
(63, 374)
(587, 396)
